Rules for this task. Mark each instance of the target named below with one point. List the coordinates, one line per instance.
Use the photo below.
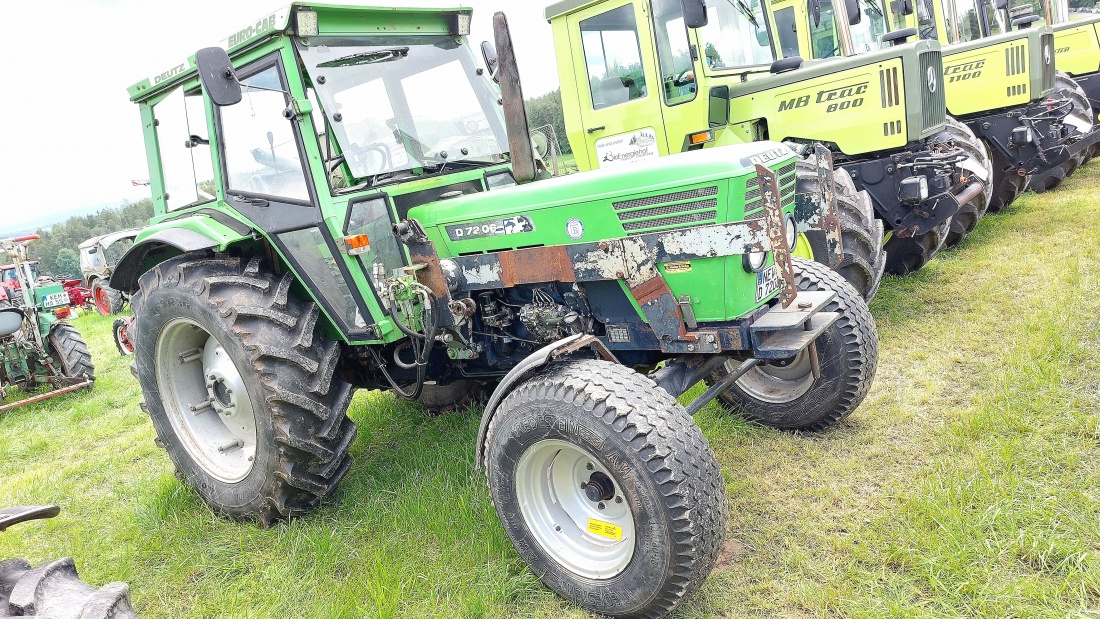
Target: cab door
(621, 101)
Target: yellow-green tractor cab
(348, 198)
(1001, 80)
(1077, 51)
(706, 74)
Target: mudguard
(171, 238)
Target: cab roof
(566, 7)
(109, 239)
(333, 19)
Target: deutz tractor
(1077, 51)
(1003, 84)
(54, 589)
(368, 213)
(37, 349)
(704, 73)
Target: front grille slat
(933, 101)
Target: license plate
(767, 283)
(57, 299)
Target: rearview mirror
(855, 15)
(489, 55)
(695, 13)
(719, 106)
(217, 77)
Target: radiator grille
(670, 210)
(754, 202)
(888, 87)
(1046, 51)
(1015, 60)
(933, 101)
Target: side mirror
(855, 14)
(719, 106)
(217, 76)
(695, 13)
(489, 55)
(815, 11)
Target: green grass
(968, 484)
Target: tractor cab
(1077, 47)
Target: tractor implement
(77, 385)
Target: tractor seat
(11, 320)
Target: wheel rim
(103, 304)
(562, 517)
(206, 401)
(124, 340)
(778, 384)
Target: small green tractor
(37, 349)
(701, 74)
(357, 205)
(1001, 80)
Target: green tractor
(1077, 50)
(346, 199)
(699, 74)
(1001, 80)
(37, 348)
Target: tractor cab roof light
(461, 24)
(306, 24)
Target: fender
(171, 238)
(535, 362)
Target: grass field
(968, 484)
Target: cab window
(967, 21)
(823, 37)
(674, 52)
(184, 149)
(926, 20)
(994, 18)
(260, 148)
(613, 55)
(867, 34)
(736, 35)
(788, 31)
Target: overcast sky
(71, 136)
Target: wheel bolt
(618, 499)
(590, 467)
(584, 485)
(557, 528)
(601, 505)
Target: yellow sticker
(677, 267)
(605, 529)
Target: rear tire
(1082, 111)
(643, 448)
(107, 300)
(70, 350)
(864, 259)
(271, 436)
(788, 397)
(1007, 184)
(55, 590)
(970, 214)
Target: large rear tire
(970, 214)
(861, 233)
(55, 590)
(607, 488)
(241, 386)
(70, 350)
(786, 395)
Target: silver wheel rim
(569, 526)
(206, 401)
(777, 384)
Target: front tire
(786, 396)
(108, 301)
(241, 386)
(970, 214)
(121, 331)
(864, 259)
(911, 254)
(70, 350)
(645, 528)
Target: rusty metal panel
(830, 216)
(536, 265)
(773, 214)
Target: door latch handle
(595, 129)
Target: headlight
(914, 190)
(754, 263)
(792, 232)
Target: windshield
(867, 34)
(404, 103)
(736, 35)
(1055, 11)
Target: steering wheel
(685, 78)
(382, 151)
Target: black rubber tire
(115, 300)
(457, 396)
(303, 432)
(909, 255)
(861, 233)
(970, 214)
(120, 330)
(71, 352)
(848, 352)
(1066, 86)
(677, 496)
(1007, 183)
(55, 590)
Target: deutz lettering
(169, 74)
(263, 26)
(763, 158)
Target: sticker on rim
(605, 529)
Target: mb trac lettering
(793, 104)
(842, 98)
(963, 72)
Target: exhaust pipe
(522, 152)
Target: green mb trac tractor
(346, 199)
(700, 74)
(1001, 80)
(37, 349)
(1077, 49)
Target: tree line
(56, 251)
